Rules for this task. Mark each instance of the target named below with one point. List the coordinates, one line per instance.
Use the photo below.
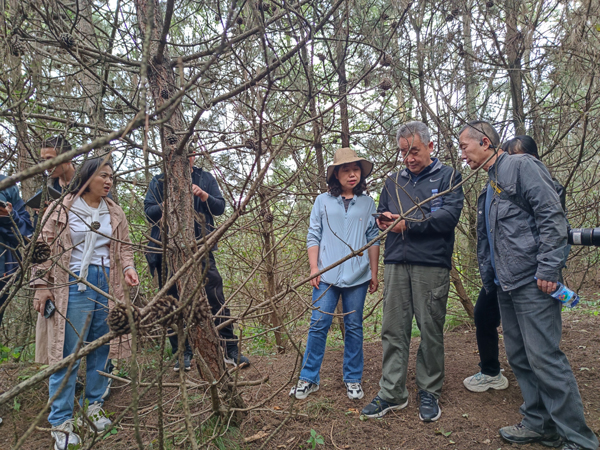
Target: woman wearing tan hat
(340, 222)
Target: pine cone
(455, 12)
(17, 47)
(41, 253)
(449, 18)
(172, 139)
(386, 60)
(239, 21)
(118, 321)
(95, 225)
(385, 84)
(39, 273)
(269, 217)
(164, 93)
(199, 314)
(66, 40)
(163, 307)
(321, 56)
(490, 4)
(250, 144)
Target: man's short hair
(478, 129)
(58, 143)
(409, 129)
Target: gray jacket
(525, 245)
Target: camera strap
(512, 198)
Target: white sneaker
(354, 391)
(481, 382)
(64, 436)
(98, 417)
(303, 389)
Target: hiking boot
(98, 417)
(520, 434)
(235, 358)
(64, 436)
(379, 407)
(429, 410)
(481, 382)
(187, 363)
(354, 391)
(303, 389)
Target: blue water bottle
(565, 295)
(436, 203)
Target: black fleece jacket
(429, 239)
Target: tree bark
(178, 203)
(514, 53)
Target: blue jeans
(532, 326)
(81, 304)
(353, 302)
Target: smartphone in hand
(49, 309)
(382, 218)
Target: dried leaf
(256, 437)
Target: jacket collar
(435, 166)
(67, 202)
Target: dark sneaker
(187, 363)
(354, 391)
(429, 410)
(520, 434)
(379, 407)
(235, 358)
(572, 446)
(303, 389)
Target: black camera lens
(584, 236)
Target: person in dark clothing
(12, 212)
(209, 202)
(417, 258)
(521, 243)
(487, 310)
(63, 174)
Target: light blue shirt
(354, 227)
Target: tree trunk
(270, 255)
(178, 204)
(514, 53)
(470, 82)
(462, 293)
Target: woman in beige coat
(89, 238)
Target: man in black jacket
(209, 202)
(418, 253)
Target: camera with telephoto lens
(584, 236)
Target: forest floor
(469, 421)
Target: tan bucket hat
(347, 155)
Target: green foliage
(7, 353)
(315, 439)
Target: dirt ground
(469, 421)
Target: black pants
(487, 321)
(216, 298)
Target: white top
(78, 228)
